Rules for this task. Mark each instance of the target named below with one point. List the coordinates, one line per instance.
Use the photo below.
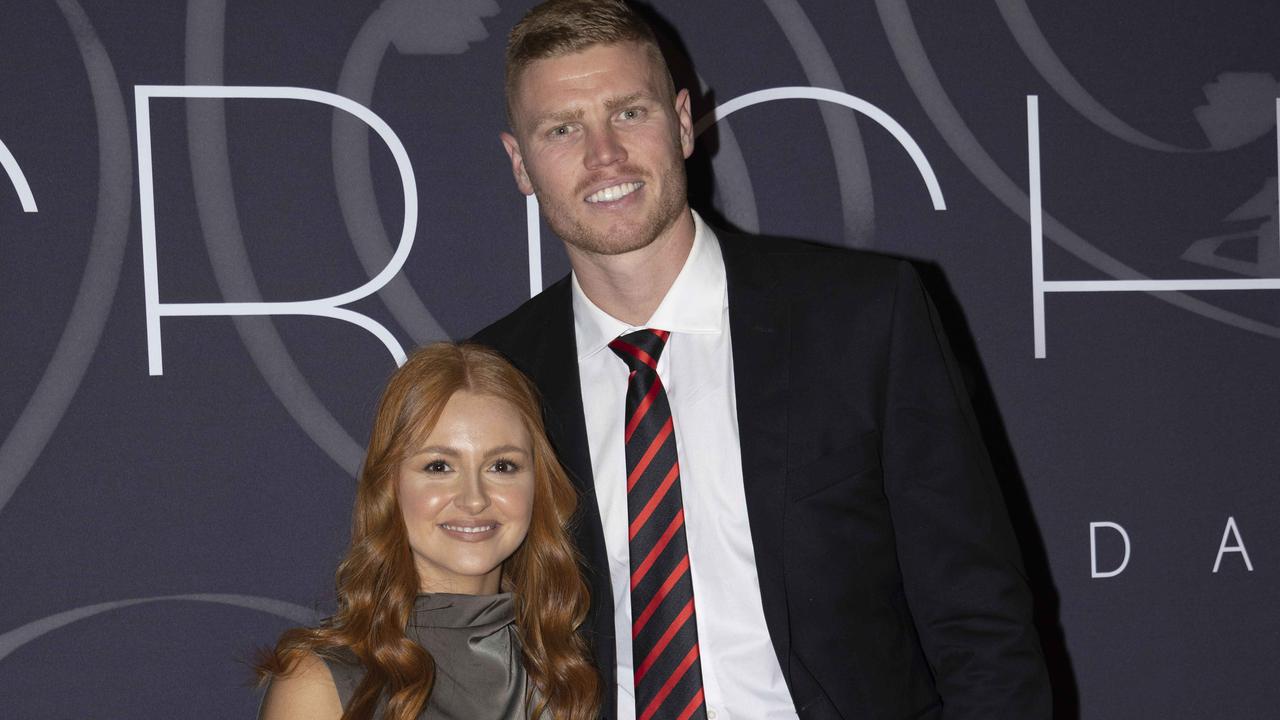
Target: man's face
(602, 144)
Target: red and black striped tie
(664, 634)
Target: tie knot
(640, 349)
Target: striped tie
(664, 634)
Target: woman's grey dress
(479, 674)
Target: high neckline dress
(473, 639)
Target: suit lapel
(554, 366)
(758, 327)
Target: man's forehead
(586, 78)
(592, 59)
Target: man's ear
(686, 122)
(517, 162)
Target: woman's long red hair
(377, 582)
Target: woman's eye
(505, 466)
(437, 466)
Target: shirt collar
(694, 304)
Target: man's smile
(614, 192)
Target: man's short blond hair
(562, 27)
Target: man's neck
(631, 286)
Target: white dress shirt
(740, 672)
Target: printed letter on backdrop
(1093, 549)
(330, 307)
(1232, 531)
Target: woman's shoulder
(308, 691)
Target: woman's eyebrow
(436, 450)
(508, 449)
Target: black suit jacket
(890, 577)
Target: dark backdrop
(155, 528)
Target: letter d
(1093, 549)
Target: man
(787, 510)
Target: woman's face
(467, 494)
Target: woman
(460, 497)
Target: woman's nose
(472, 496)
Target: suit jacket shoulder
(524, 328)
(805, 269)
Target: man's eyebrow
(618, 102)
(559, 116)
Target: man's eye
(631, 114)
(560, 131)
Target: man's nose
(604, 148)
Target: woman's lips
(470, 532)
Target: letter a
(1232, 531)
(1093, 549)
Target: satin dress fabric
(477, 656)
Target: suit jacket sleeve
(961, 569)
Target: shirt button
(711, 714)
